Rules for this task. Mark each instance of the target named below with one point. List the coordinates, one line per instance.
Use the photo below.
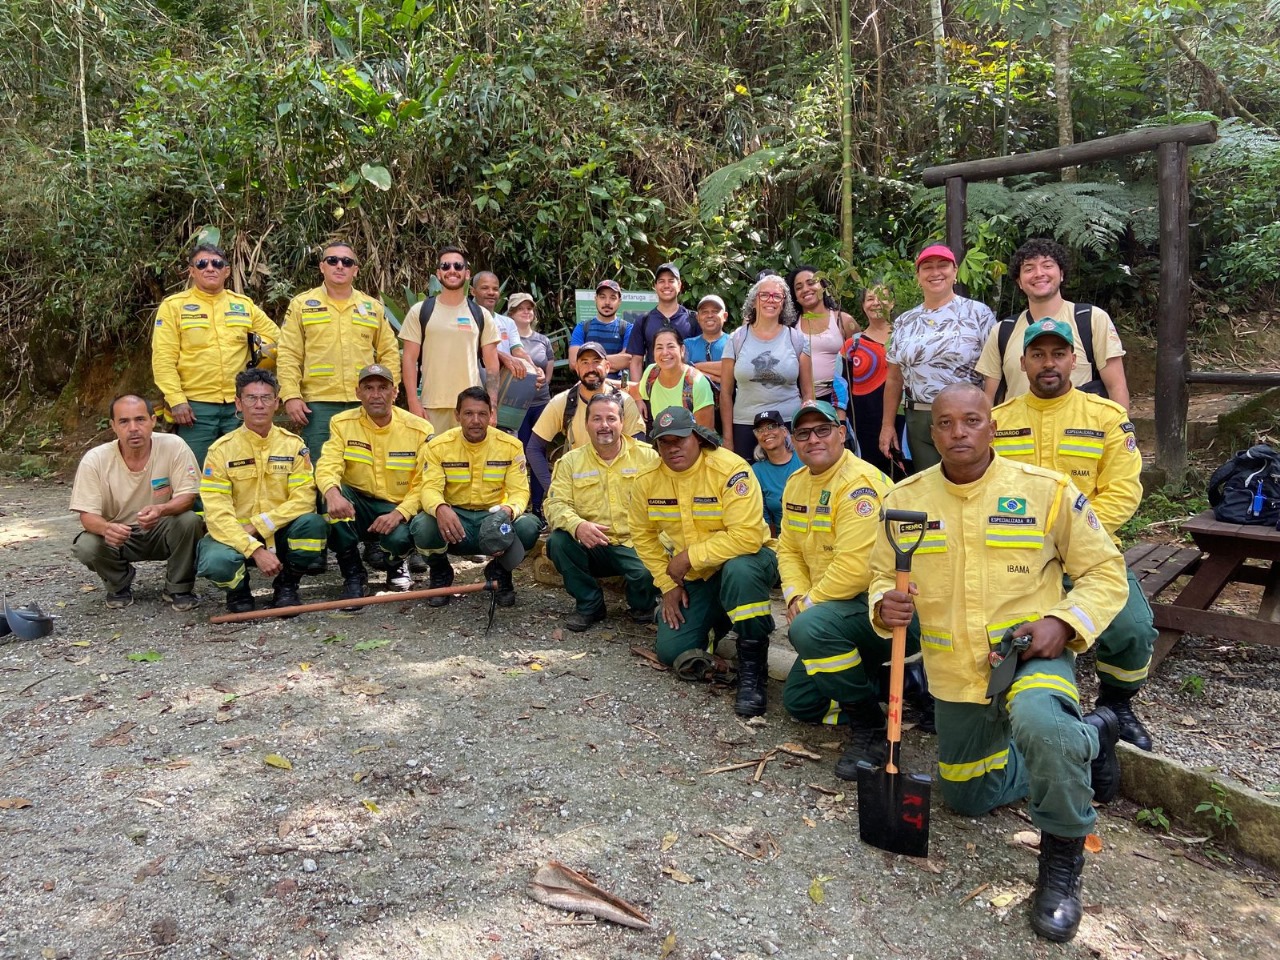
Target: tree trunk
(846, 138)
(939, 66)
(1062, 88)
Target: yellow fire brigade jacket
(263, 481)
(325, 343)
(714, 510)
(829, 523)
(584, 487)
(383, 462)
(1084, 436)
(993, 556)
(200, 342)
(475, 476)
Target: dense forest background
(565, 140)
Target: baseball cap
(516, 299)
(498, 539)
(596, 348)
(376, 370)
(672, 422)
(767, 416)
(936, 250)
(711, 298)
(1046, 328)
(670, 268)
(611, 284)
(820, 407)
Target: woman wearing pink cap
(934, 345)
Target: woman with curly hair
(823, 324)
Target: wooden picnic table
(1225, 553)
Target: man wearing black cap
(668, 313)
(368, 475)
(705, 502)
(605, 328)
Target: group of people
(1018, 556)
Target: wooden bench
(1221, 556)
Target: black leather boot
(915, 692)
(496, 572)
(868, 738)
(441, 571)
(753, 678)
(284, 589)
(240, 598)
(1132, 730)
(1056, 906)
(1106, 766)
(354, 577)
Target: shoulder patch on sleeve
(737, 478)
(1127, 427)
(1081, 502)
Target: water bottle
(1255, 508)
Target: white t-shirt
(509, 333)
(105, 486)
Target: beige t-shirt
(449, 353)
(1106, 344)
(549, 421)
(105, 486)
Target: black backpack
(1246, 489)
(424, 315)
(1084, 325)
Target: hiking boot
(441, 576)
(495, 571)
(181, 602)
(1132, 729)
(119, 599)
(375, 557)
(642, 614)
(868, 738)
(579, 621)
(354, 577)
(240, 598)
(1056, 906)
(1106, 766)
(398, 577)
(417, 565)
(915, 694)
(753, 678)
(284, 590)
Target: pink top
(824, 349)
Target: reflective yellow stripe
(833, 714)
(297, 480)
(1014, 447)
(1127, 676)
(999, 538)
(318, 318)
(239, 320)
(1080, 448)
(1042, 681)
(214, 486)
(841, 661)
(749, 610)
(937, 639)
(358, 456)
(995, 631)
(797, 524)
(329, 519)
(960, 772)
(194, 324)
(935, 542)
(663, 513)
(306, 544)
(234, 581)
(360, 321)
(325, 370)
(823, 526)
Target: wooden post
(1171, 326)
(957, 202)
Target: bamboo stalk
(361, 602)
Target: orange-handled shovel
(893, 807)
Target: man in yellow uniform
(470, 472)
(587, 510)
(706, 503)
(830, 515)
(368, 474)
(330, 333)
(998, 539)
(1091, 440)
(259, 502)
(200, 342)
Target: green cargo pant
(426, 532)
(299, 545)
(1034, 746)
(737, 594)
(923, 453)
(1124, 649)
(212, 421)
(581, 569)
(837, 646)
(316, 432)
(347, 534)
(172, 539)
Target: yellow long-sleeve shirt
(992, 556)
(829, 522)
(714, 510)
(1083, 436)
(474, 476)
(325, 343)
(584, 487)
(264, 481)
(200, 342)
(384, 462)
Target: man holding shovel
(987, 583)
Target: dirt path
(433, 767)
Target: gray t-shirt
(766, 373)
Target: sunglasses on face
(457, 265)
(821, 431)
(204, 264)
(345, 261)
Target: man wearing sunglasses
(330, 334)
(443, 351)
(199, 344)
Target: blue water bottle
(1255, 508)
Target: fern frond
(719, 186)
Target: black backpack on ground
(1246, 489)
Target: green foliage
(1153, 817)
(1216, 809)
(1192, 684)
(1160, 507)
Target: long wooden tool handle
(897, 666)
(361, 602)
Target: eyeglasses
(345, 261)
(203, 264)
(822, 431)
(257, 399)
(458, 265)
(768, 428)
(770, 297)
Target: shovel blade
(893, 810)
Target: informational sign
(635, 304)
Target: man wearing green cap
(706, 503)
(1092, 441)
(830, 516)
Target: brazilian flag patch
(1017, 506)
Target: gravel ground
(433, 767)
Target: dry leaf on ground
(277, 761)
(17, 803)
(678, 875)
